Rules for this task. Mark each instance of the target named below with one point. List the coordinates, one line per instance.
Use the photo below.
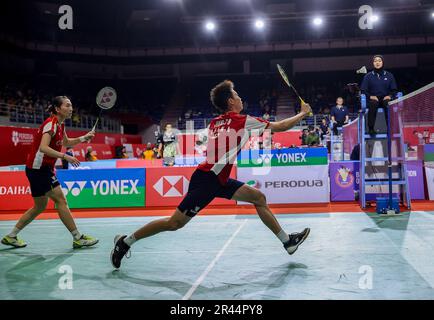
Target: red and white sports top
(227, 134)
(36, 159)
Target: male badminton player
(211, 178)
(41, 175)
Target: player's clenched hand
(305, 108)
(89, 136)
(72, 160)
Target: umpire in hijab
(380, 87)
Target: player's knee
(174, 225)
(60, 201)
(39, 208)
(260, 199)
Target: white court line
(199, 280)
(101, 253)
(111, 224)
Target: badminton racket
(105, 100)
(285, 78)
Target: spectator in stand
(324, 128)
(266, 115)
(312, 138)
(76, 119)
(426, 136)
(304, 136)
(339, 115)
(148, 154)
(124, 153)
(419, 136)
(90, 154)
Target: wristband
(82, 139)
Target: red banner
(111, 139)
(288, 138)
(16, 143)
(15, 192)
(412, 133)
(168, 186)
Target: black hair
(378, 56)
(56, 102)
(220, 95)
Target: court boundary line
(202, 277)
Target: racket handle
(302, 102)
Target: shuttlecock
(362, 70)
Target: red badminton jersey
(227, 134)
(36, 159)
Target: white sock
(14, 232)
(76, 235)
(283, 236)
(130, 240)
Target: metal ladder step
(376, 183)
(384, 159)
(380, 136)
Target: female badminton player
(211, 178)
(41, 173)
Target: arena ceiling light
(375, 18)
(210, 25)
(432, 14)
(259, 24)
(317, 21)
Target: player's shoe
(84, 241)
(295, 239)
(14, 242)
(119, 251)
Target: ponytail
(56, 102)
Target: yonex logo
(73, 187)
(172, 186)
(264, 158)
(102, 187)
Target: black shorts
(203, 188)
(41, 181)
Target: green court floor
(347, 256)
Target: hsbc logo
(172, 186)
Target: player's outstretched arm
(71, 142)
(288, 123)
